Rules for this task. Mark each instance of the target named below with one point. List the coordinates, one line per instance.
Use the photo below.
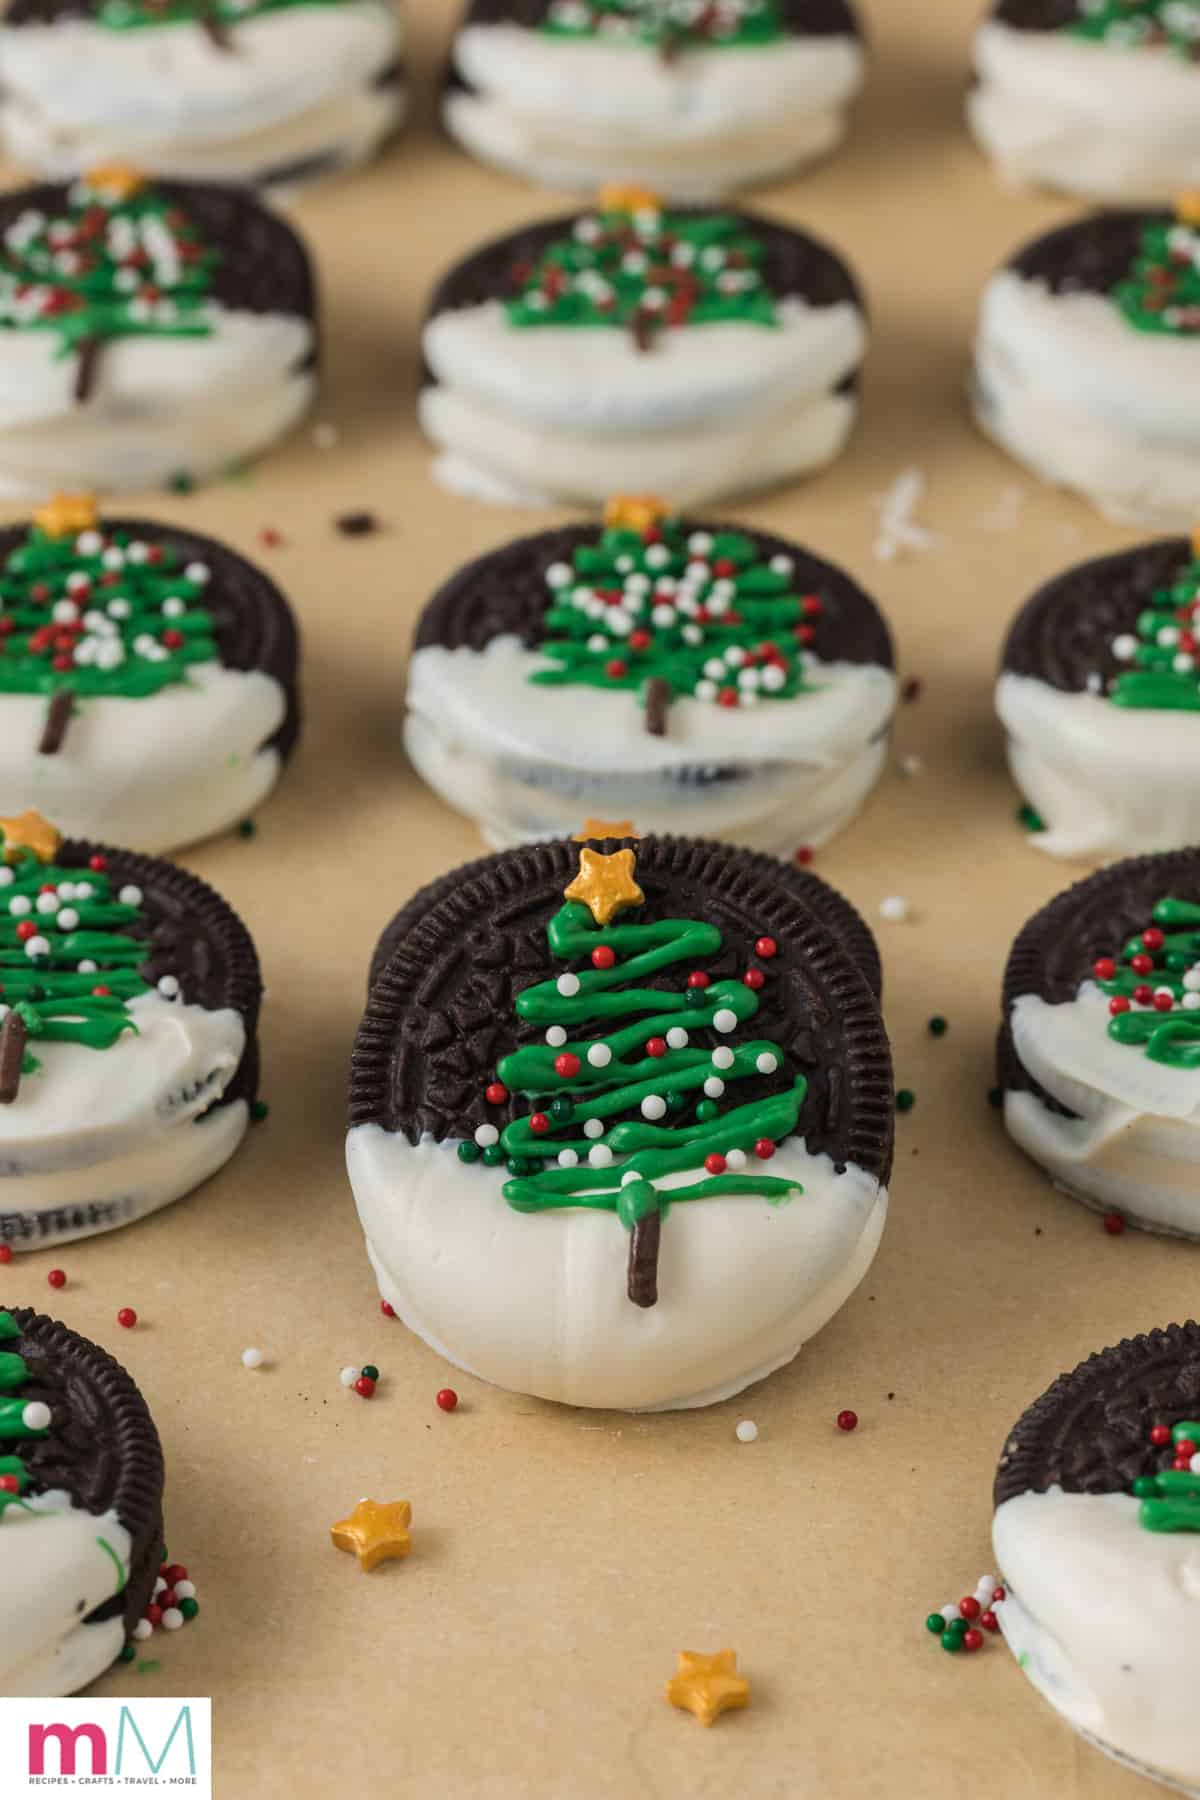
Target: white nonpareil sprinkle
(142, 1630)
(172, 1619)
(898, 529)
(599, 1055)
(567, 1159)
(568, 985)
(745, 1431)
(252, 1358)
(600, 1156)
(36, 1416)
(766, 1062)
(724, 1019)
(735, 1159)
(186, 1590)
(555, 1036)
(894, 908)
(593, 1128)
(653, 1106)
(37, 946)
(130, 895)
(348, 1377)
(485, 1135)
(722, 1057)
(168, 987)
(714, 1087)
(677, 1037)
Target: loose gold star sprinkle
(116, 180)
(604, 828)
(67, 515)
(635, 512)
(627, 197)
(1196, 540)
(708, 1685)
(29, 831)
(376, 1531)
(605, 884)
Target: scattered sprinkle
(376, 1531)
(252, 1357)
(127, 1317)
(803, 856)
(387, 1309)
(357, 524)
(259, 1111)
(1114, 1224)
(938, 1026)
(912, 689)
(57, 1278)
(898, 528)
(181, 483)
(960, 1625)
(746, 1431)
(365, 1387)
(6, 1253)
(847, 1420)
(894, 909)
(247, 828)
(149, 1665)
(1029, 819)
(995, 1098)
(708, 1685)
(447, 1399)
(270, 538)
(349, 1375)
(905, 1100)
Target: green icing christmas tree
(68, 966)
(214, 16)
(633, 1084)
(93, 613)
(1170, 1498)
(1154, 987)
(17, 1419)
(1164, 655)
(631, 265)
(668, 25)
(1134, 24)
(663, 611)
(121, 261)
(1162, 289)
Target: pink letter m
(67, 1737)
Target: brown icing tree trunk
(642, 1283)
(57, 722)
(12, 1056)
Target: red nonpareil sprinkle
(270, 537)
(1142, 965)
(847, 1420)
(812, 606)
(640, 640)
(753, 978)
(723, 568)
(566, 1064)
(26, 929)
(62, 662)
(1143, 993)
(972, 1640)
(102, 992)
(98, 863)
(969, 1608)
(1118, 1004)
(495, 1093)
(989, 1621)
(616, 668)
(166, 1597)
(764, 1149)
(173, 640)
(698, 979)
(1114, 1224)
(603, 956)
(656, 1046)
(727, 696)
(173, 1573)
(447, 1399)
(539, 1123)
(364, 1386)
(1163, 1002)
(804, 634)
(9, 1484)
(1104, 968)
(57, 1278)
(1153, 938)
(387, 1309)
(154, 1613)
(803, 856)
(6, 1253)
(714, 1162)
(1160, 1435)
(766, 948)
(1186, 1447)
(999, 1594)
(127, 1317)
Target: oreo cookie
(81, 1526)
(1096, 1054)
(149, 677)
(677, 672)
(544, 385)
(470, 1094)
(694, 101)
(1099, 691)
(1096, 1510)
(128, 1049)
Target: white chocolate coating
(557, 414)
(537, 1302)
(1106, 780)
(527, 761)
(1104, 1618)
(1046, 105)
(161, 405)
(1087, 401)
(573, 115)
(1134, 1147)
(96, 1138)
(153, 773)
(52, 1557)
(299, 87)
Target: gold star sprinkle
(29, 831)
(627, 197)
(376, 1531)
(1196, 540)
(115, 180)
(708, 1685)
(67, 515)
(604, 828)
(605, 884)
(635, 512)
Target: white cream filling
(96, 1138)
(1087, 401)
(529, 761)
(298, 85)
(160, 406)
(1106, 780)
(544, 414)
(152, 774)
(574, 115)
(1102, 1616)
(537, 1302)
(54, 1570)
(1045, 106)
(1135, 1145)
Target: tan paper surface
(561, 1559)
